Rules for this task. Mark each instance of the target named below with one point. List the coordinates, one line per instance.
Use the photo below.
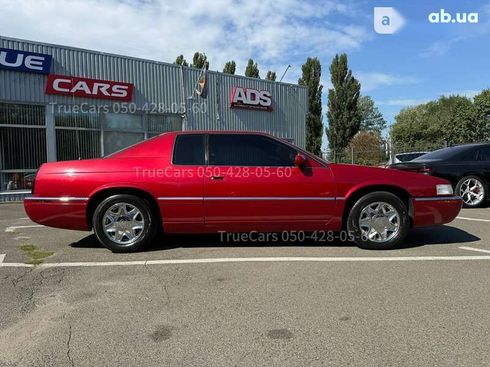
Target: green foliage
(181, 61)
(252, 70)
(482, 106)
(271, 75)
(199, 60)
(343, 115)
(230, 67)
(371, 118)
(366, 148)
(452, 120)
(312, 71)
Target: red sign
(251, 99)
(89, 88)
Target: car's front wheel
(472, 190)
(124, 223)
(378, 221)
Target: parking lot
(194, 300)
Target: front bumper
(429, 211)
(59, 212)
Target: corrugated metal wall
(161, 83)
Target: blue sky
(419, 63)
(427, 59)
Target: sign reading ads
(251, 99)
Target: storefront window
(82, 135)
(22, 144)
(89, 135)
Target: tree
(252, 70)
(199, 60)
(230, 67)
(312, 71)
(343, 115)
(371, 118)
(271, 75)
(181, 61)
(412, 132)
(367, 148)
(448, 120)
(482, 106)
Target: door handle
(217, 178)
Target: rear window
(189, 150)
(405, 157)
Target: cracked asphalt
(399, 313)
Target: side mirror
(300, 160)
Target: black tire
(395, 238)
(466, 201)
(144, 215)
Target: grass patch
(34, 255)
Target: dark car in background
(467, 167)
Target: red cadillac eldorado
(202, 182)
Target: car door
(181, 192)
(253, 184)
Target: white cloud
(403, 102)
(406, 102)
(373, 80)
(440, 48)
(274, 33)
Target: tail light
(424, 170)
(33, 184)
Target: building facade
(62, 103)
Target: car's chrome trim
(56, 198)
(269, 198)
(439, 198)
(181, 198)
(248, 198)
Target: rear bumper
(429, 211)
(59, 212)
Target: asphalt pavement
(198, 301)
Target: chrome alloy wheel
(123, 223)
(379, 222)
(472, 191)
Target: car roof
(234, 132)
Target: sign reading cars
(89, 88)
(251, 99)
(25, 61)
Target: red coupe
(201, 182)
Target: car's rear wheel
(124, 223)
(472, 190)
(378, 221)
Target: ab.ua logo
(387, 20)
(442, 17)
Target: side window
(189, 150)
(484, 154)
(248, 150)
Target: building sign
(89, 88)
(24, 61)
(251, 99)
